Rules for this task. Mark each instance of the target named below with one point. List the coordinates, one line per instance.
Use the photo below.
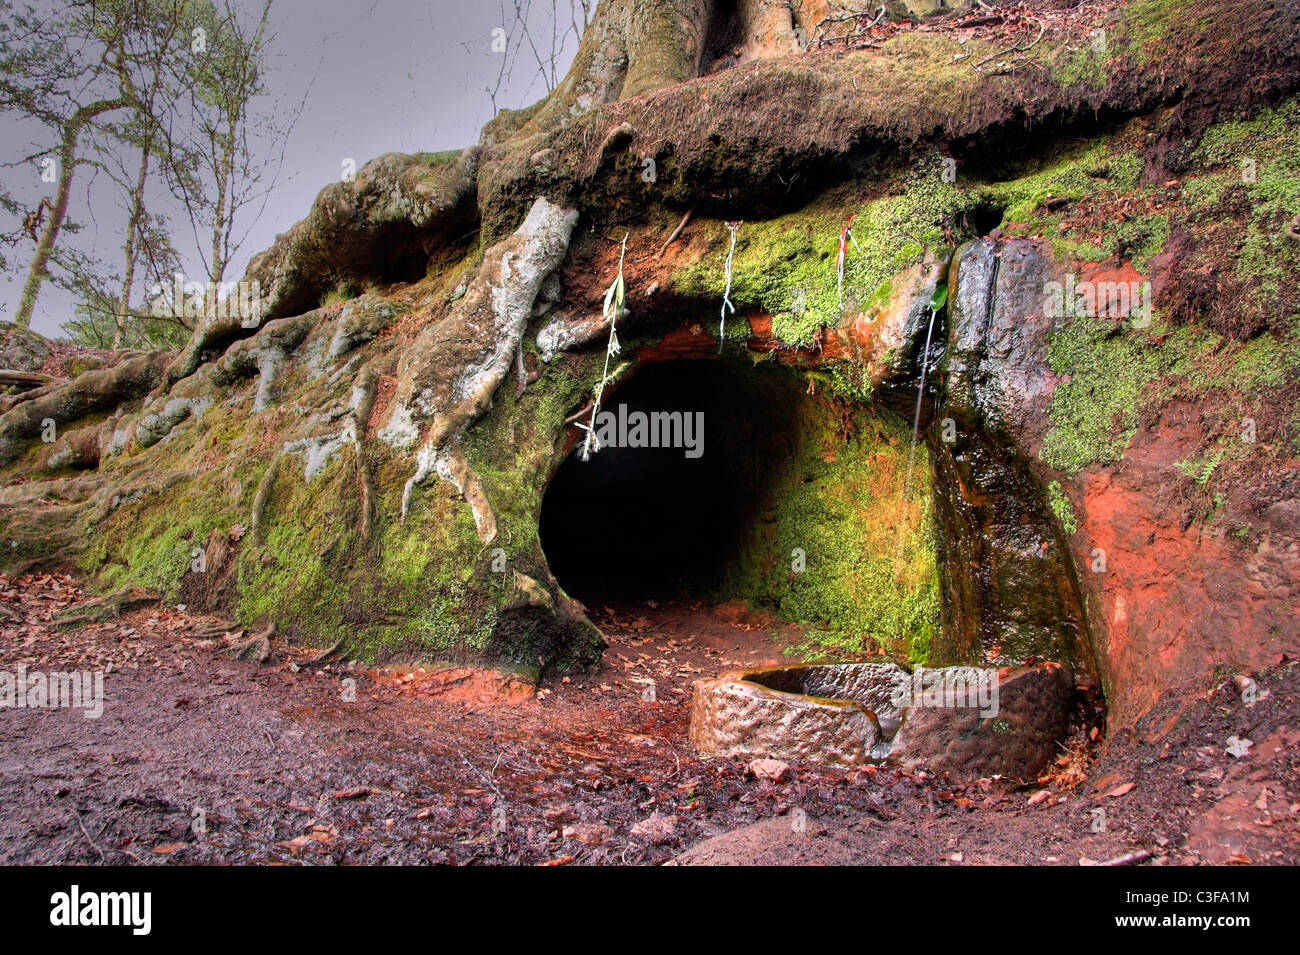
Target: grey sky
(379, 76)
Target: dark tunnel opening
(642, 522)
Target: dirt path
(278, 766)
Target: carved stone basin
(961, 720)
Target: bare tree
(65, 71)
(158, 40)
(519, 32)
(213, 168)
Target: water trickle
(937, 302)
(920, 394)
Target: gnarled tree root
(256, 648)
(110, 607)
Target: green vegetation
(1062, 508)
(439, 158)
(340, 293)
(835, 511)
(1201, 470)
(1258, 160)
(1114, 373)
(1095, 411)
(1138, 34)
(786, 266)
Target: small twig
(577, 415)
(822, 41)
(1042, 29)
(76, 815)
(483, 776)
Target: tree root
(324, 655)
(455, 470)
(103, 609)
(367, 499)
(27, 379)
(256, 648)
(9, 402)
(100, 389)
(455, 366)
(77, 449)
(676, 232)
(257, 520)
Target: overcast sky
(378, 75)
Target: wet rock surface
(1009, 585)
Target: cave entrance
(637, 522)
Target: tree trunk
(665, 43)
(132, 230)
(67, 164)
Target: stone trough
(965, 721)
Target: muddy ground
(198, 758)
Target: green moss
(1062, 508)
(838, 501)
(1145, 23)
(1095, 170)
(1258, 160)
(155, 552)
(786, 266)
(1068, 250)
(1113, 373)
(1094, 411)
(1263, 362)
(1140, 239)
(1140, 33)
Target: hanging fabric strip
(614, 298)
(846, 236)
(726, 296)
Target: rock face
(1166, 601)
(21, 349)
(1010, 587)
(964, 721)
